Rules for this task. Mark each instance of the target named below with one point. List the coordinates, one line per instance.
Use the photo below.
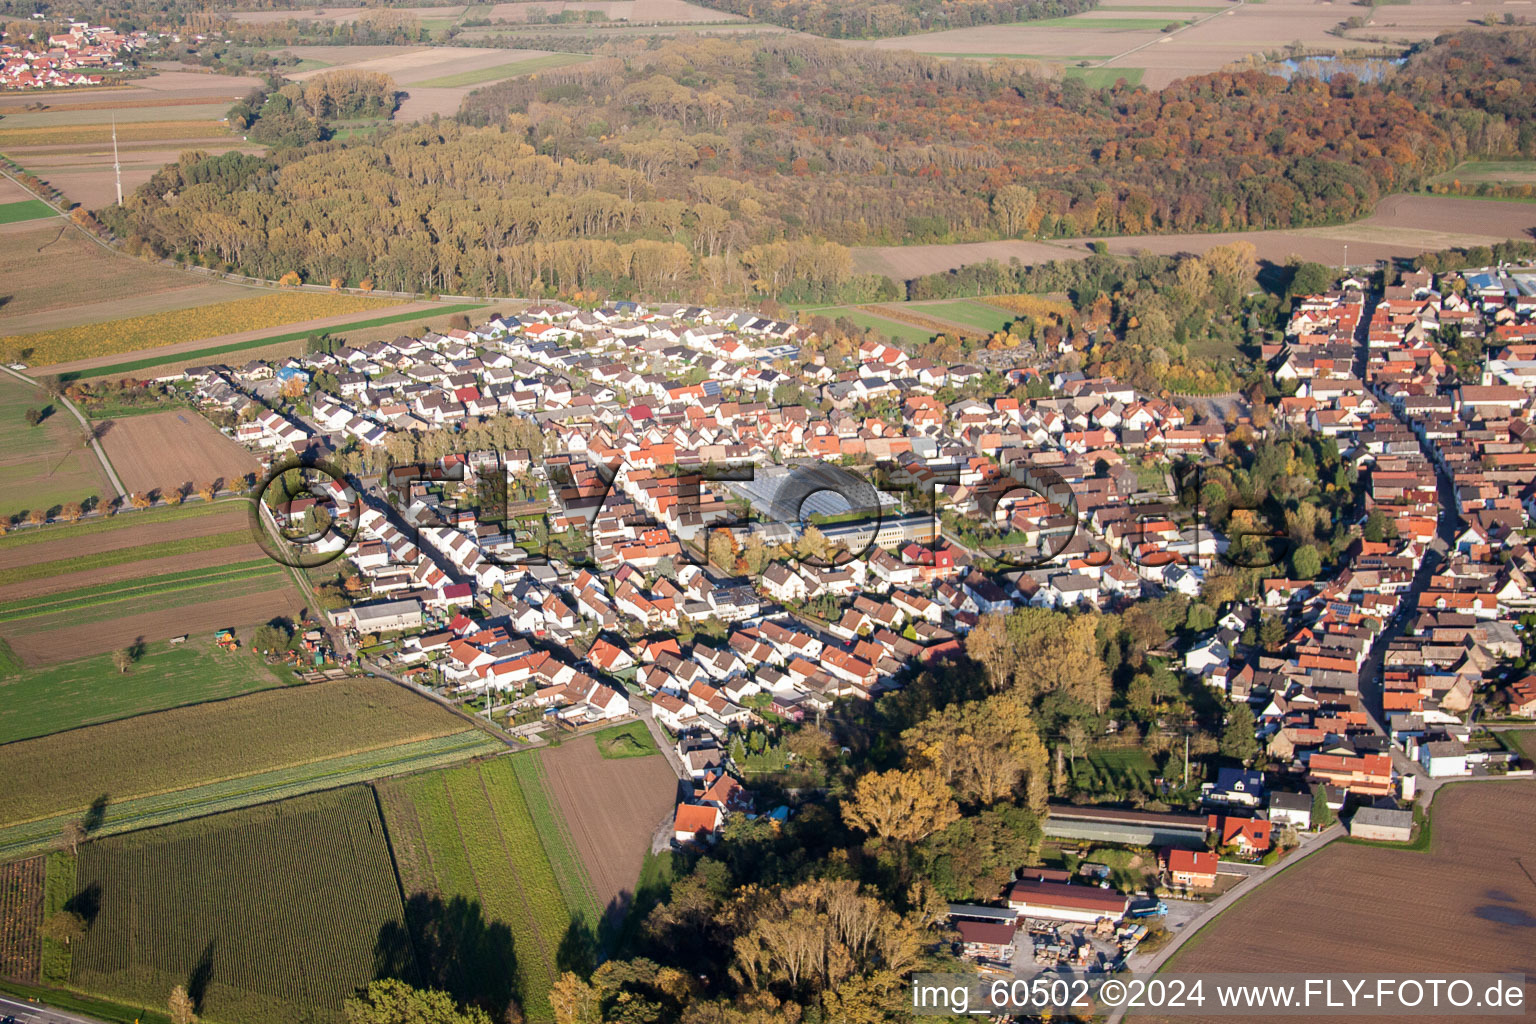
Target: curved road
(101, 456)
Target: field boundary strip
(240, 346)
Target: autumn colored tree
(900, 804)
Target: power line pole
(117, 167)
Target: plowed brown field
(1467, 905)
(612, 808)
(167, 449)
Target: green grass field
(472, 857)
(1504, 172)
(39, 702)
(189, 358)
(632, 739)
(967, 313)
(1052, 58)
(1104, 78)
(267, 914)
(44, 466)
(26, 209)
(509, 70)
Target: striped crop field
(472, 855)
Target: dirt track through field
(1467, 905)
(612, 808)
(50, 646)
(167, 449)
(231, 516)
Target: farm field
(478, 880)
(1402, 226)
(1471, 883)
(251, 342)
(25, 210)
(69, 143)
(903, 332)
(38, 255)
(612, 808)
(273, 912)
(1122, 38)
(974, 314)
(436, 78)
(257, 312)
(1500, 172)
(168, 449)
(89, 691)
(517, 67)
(46, 465)
(126, 529)
(21, 911)
(226, 750)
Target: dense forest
(724, 167)
(867, 19)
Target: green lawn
(1103, 78)
(500, 71)
(630, 740)
(188, 358)
(1114, 770)
(26, 209)
(37, 702)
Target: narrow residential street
(1445, 535)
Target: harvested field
(83, 171)
(277, 910)
(612, 807)
(1118, 36)
(342, 14)
(45, 465)
(21, 912)
(125, 530)
(1474, 884)
(227, 739)
(51, 639)
(38, 256)
(1402, 226)
(617, 10)
(167, 449)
